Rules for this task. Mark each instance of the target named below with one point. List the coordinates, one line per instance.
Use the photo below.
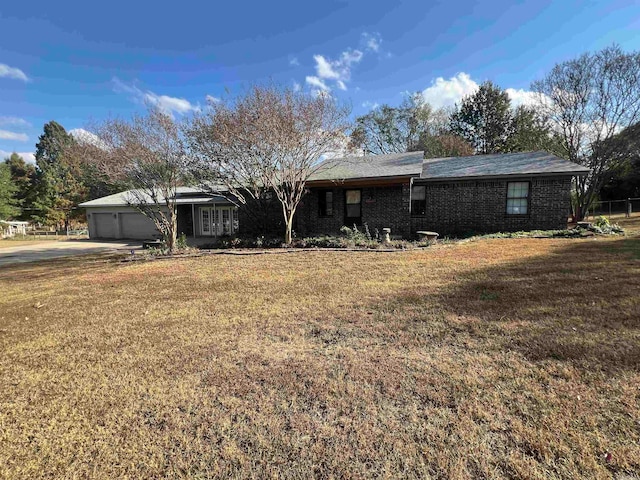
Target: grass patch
(498, 358)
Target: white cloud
(445, 93)
(29, 157)
(324, 68)
(15, 121)
(317, 83)
(11, 72)
(296, 87)
(84, 136)
(522, 97)
(338, 70)
(212, 99)
(164, 103)
(170, 104)
(372, 41)
(293, 61)
(18, 137)
(351, 56)
(370, 105)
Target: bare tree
(268, 140)
(444, 145)
(387, 129)
(589, 100)
(148, 154)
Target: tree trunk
(581, 204)
(288, 236)
(172, 236)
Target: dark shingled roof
(413, 165)
(374, 166)
(526, 163)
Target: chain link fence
(614, 208)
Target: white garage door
(136, 225)
(105, 225)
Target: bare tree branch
(268, 140)
(149, 155)
(589, 100)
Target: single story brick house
(403, 192)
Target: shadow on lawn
(578, 304)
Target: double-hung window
(517, 198)
(325, 203)
(353, 207)
(418, 200)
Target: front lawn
(497, 358)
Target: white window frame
(517, 200)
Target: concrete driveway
(52, 249)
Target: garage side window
(517, 198)
(418, 200)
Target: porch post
(193, 219)
(213, 220)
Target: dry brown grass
(35, 239)
(491, 359)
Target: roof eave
(134, 205)
(505, 175)
(340, 181)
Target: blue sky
(78, 63)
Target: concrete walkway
(52, 249)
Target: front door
(217, 221)
(352, 207)
(205, 221)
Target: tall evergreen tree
(59, 179)
(8, 189)
(23, 176)
(484, 119)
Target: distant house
(404, 192)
